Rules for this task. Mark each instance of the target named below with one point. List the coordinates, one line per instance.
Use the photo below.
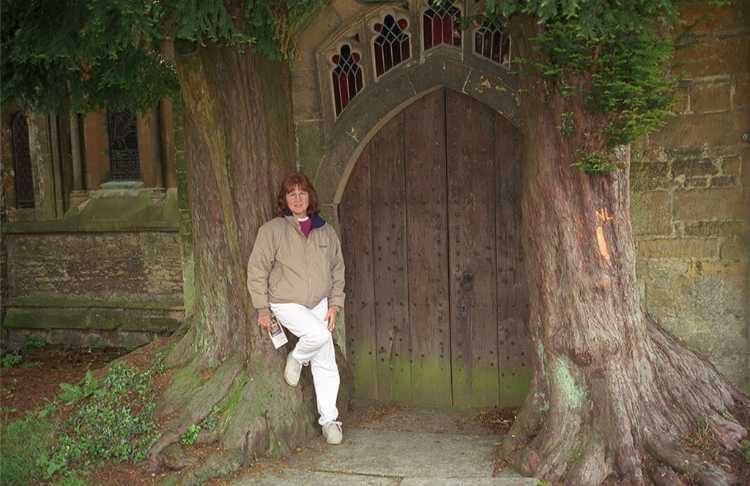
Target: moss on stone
(112, 210)
(95, 319)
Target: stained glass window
(392, 46)
(441, 23)
(24, 178)
(492, 42)
(346, 76)
(124, 163)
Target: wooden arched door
(436, 291)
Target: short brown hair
(287, 185)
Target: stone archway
(330, 142)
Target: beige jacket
(286, 267)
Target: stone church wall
(691, 192)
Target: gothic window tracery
(124, 162)
(346, 76)
(493, 43)
(392, 45)
(441, 24)
(24, 178)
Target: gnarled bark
(238, 143)
(612, 391)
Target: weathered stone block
(712, 56)
(710, 204)
(716, 228)
(678, 248)
(690, 130)
(648, 176)
(696, 182)
(651, 213)
(731, 165)
(724, 181)
(710, 97)
(305, 94)
(703, 17)
(735, 248)
(741, 96)
(310, 146)
(705, 305)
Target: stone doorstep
(387, 457)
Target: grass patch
(107, 420)
(24, 443)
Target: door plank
(427, 249)
(390, 269)
(471, 221)
(512, 290)
(356, 236)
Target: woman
(296, 272)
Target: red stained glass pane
(391, 47)
(346, 77)
(436, 31)
(441, 24)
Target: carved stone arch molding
(330, 140)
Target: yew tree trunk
(239, 142)
(612, 392)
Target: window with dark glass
(392, 46)
(441, 24)
(346, 77)
(24, 178)
(124, 163)
(492, 42)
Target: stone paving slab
(296, 477)
(499, 481)
(411, 454)
(390, 458)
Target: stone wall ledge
(157, 303)
(111, 210)
(93, 319)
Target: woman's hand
(264, 321)
(331, 318)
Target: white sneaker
(333, 433)
(292, 370)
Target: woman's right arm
(259, 267)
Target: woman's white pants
(316, 346)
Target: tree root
(216, 465)
(688, 464)
(198, 407)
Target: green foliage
(595, 164)
(10, 360)
(115, 421)
(209, 423)
(190, 435)
(567, 124)
(81, 55)
(616, 53)
(24, 442)
(34, 342)
(745, 449)
(77, 54)
(74, 393)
